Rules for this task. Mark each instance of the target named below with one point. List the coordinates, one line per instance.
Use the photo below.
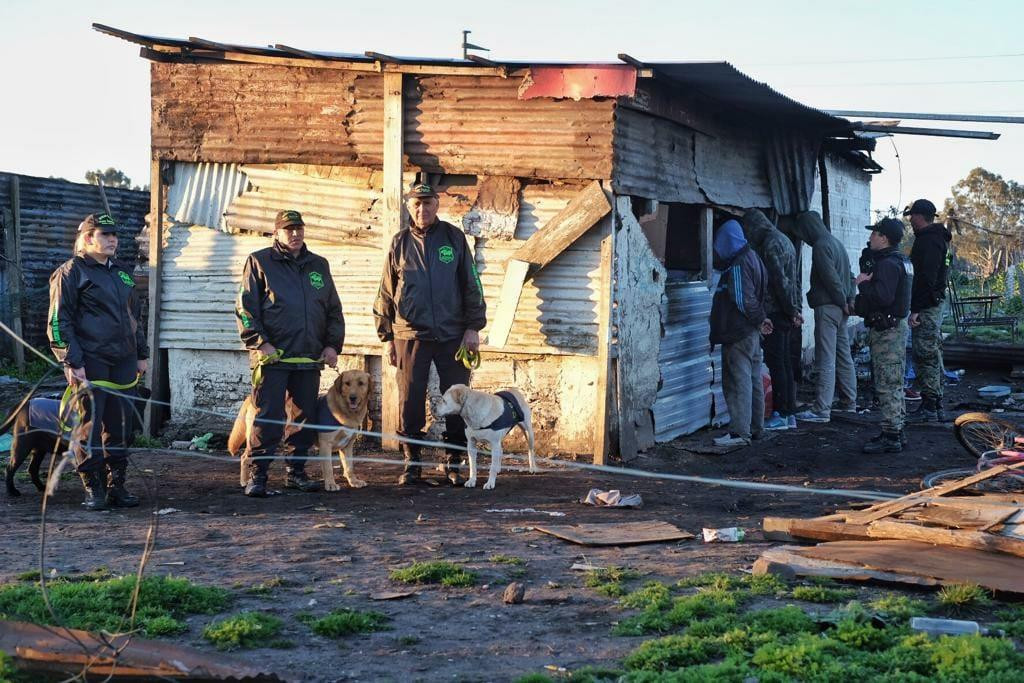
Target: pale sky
(75, 99)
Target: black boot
(412, 471)
(940, 414)
(926, 413)
(117, 495)
(886, 442)
(95, 484)
(257, 485)
(295, 477)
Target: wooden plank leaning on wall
(154, 378)
(392, 218)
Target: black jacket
(94, 311)
(885, 298)
(738, 307)
(430, 288)
(290, 302)
(931, 265)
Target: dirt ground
(464, 633)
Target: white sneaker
(731, 440)
(776, 423)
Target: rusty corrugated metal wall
(51, 209)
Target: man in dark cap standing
(290, 319)
(430, 303)
(883, 300)
(930, 256)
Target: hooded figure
(784, 309)
(831, 296)
(737, 319)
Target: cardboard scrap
(628, 533)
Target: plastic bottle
(945, 627)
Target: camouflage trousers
(889, 363)
(926, 340)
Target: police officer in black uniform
(290, 318)
(883, 300)
(95, 330)
(429, 304)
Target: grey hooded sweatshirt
(831, 279)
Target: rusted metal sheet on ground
(266, 114)
(51, 209)
(579, 82)
(461, 124)
(654, 158)
(684, 398)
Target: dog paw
(488, 486)
(331, 486)
(356, 483)
(470, 484)
(534, 469)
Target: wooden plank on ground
(997, 571)
(957, 516)
(822, 529)
(391, 219)
(889, 508)
(959, 538)
(785, 562)
(627, 533)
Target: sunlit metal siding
(470, 124)
(654, 158)
(201, 193)
(201, 271)
(683, 404)
(51, 209)
(266, 114)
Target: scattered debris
(612, 499)
(585, 567)
(945, 627)
(166, 511)
(521, 529)
(628, 533)
(730, 534)
(994, 392)
(514, 593)
(201, 443)
(392, 595)
(179, 563)
(527, 511)
(330, 525)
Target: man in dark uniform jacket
(429, 304)
(290, 318)
(883, 300)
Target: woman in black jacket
(95, 331)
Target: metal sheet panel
(731, 168)
(462, 124)
(654, 158)
(684, 402)
(579, 82)
(51, 209)
(201, 193)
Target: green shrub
(245, 630)
(347, 622)
(822, 594)
(652, 595)
(444, 573)
(898, 608)
(962, 598)
(672, 652)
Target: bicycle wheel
(1002, 483)
(980, 433)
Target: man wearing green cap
(429, 304)
(290, 318)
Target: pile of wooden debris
(925, 538)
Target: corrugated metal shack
(620, 170)
(39, 218)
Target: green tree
(111, 177)
(986, 212)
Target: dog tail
(236, 441)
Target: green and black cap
(288, 219)
(421, 190)
(103, 222)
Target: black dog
(35, 432)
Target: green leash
(66, 398)
(471, 359)
(276, 357)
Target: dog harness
(511, 415)
(43, 415)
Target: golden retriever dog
(346, 404)
(489, 417)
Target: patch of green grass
(713, 579)
(609, 580)
(102, 604)
(822, 594)
(267, 587)
(34, 370)
(898, 608)
(764, 584)
(245, 630)
(506, 559)
(652, 595)
(347, 622)
(145, 441)
(31, 575)
(444, 573)
(706, 604)
(408, 641)
(672, 652)
(962, 598)
(1011, 620)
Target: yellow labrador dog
(345, 404)
(489, 417)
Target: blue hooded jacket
(728, 241)
(738, 307)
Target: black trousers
(779, 360)
(111, 415)
(414, 359)
(278, 385)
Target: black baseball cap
(921, 206)
(891, 228)
(103, 222)
(288, 219)
(421, 190)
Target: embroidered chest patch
(446, 254)
(317, 280)
(126, 278)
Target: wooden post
(12, 246)
(392, 218)
(604, 343)
(707, 243)
(154, 379)
(826, 213)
